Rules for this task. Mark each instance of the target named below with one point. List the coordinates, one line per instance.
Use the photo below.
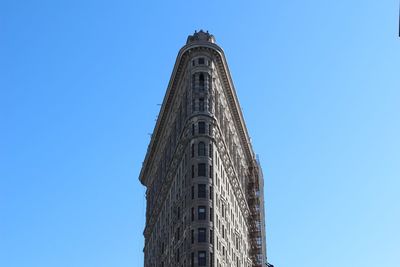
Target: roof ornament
(200, 36)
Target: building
(205, 203)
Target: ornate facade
(205, 204)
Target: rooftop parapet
(201, 36)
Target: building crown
(200, 36)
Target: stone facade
(204, 184)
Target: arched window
(201, 82)
(201, 149)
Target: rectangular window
(211, 236)
(201, 171)
(211, 214)
(192, 236)
(201, 213)
(201, 60)
(201, 104)
(202, 127)
(202, 258)
(201, 193)
(201, 237)
(192, 260)
(192, 192)
(211, 171)
(192, 171)
(192, 128)
(192, 214)
(211, 192)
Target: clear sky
(319, 85)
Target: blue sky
(318, 82)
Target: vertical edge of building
(205, 197)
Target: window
(201, 148)
(211, 236)
(192, 192)
(202, 127)
(201, 61)
(201, 237)
(201, 171)
(192, 260)
(192, 236)
(192, 214)
(193, 81)
(192, 128)
(201, 193)
(201, 104)
(201, 82)
(201, 213)
(202, 258)
(192, 152)
(192, 171)
(211, 192)
(210, 151)
(211, 171)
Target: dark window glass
(201, 61)
(201, 169)
(201, 212)
(201, 82)
(192, 214)
(192, 128)
(211, 171)
(192, 171)
(202, 127)
(192, 236)
(193, 81)
(201, 148)
(201, 193)
(192, 150)
(192, 192)
(192, 260)
(211, 236)
(210, 151)
(201, 104)
(211, 192)
(202, 258)
(201, 235)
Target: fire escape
(255, 218)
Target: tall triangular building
(205, 203)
